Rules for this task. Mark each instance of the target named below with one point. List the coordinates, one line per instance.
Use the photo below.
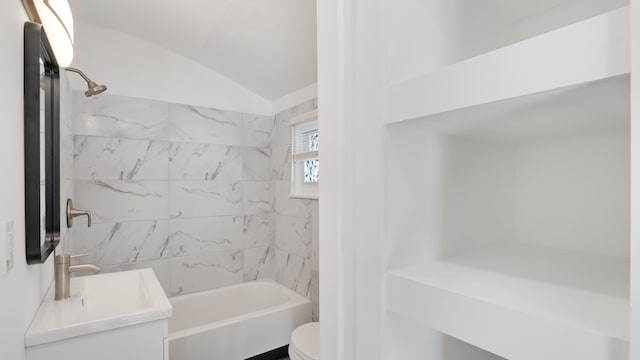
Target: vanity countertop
(99, 303)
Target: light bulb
(57, 20)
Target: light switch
(10, 245)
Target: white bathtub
(235, 322)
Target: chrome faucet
(63, 270)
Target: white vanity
(120, 315)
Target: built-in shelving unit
(522, 301)
(593, 49)
(508, 187)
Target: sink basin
(99, 303)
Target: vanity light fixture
(57, 19)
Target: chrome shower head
(92, 87)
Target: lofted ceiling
(268, 47)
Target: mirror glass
(43, 189)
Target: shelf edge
(590, 50)
(497, 329)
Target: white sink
(99, 303)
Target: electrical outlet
(10, 245)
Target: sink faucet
(63, 270)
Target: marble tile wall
(66, 159)
(181, 189)
(199, 195)
(295, 248)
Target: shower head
(92, 87)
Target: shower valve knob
(73, 212)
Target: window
(305, 165)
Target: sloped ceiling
(268, 47)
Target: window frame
(298, 188)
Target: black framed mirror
(41, 145)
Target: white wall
(295, 98)
(426, 35)
(539, 194)
(351, 109)
(570, 12)
(133, 67)
(21, 289)
(634, 347)
(336, 290)
(556, 186)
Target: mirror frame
(37, 48)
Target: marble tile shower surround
(295, 248)
(197, 194)
(181, 189)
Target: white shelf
(594, 49)
(522, 302)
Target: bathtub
(235, 322)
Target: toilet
(305, 342)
